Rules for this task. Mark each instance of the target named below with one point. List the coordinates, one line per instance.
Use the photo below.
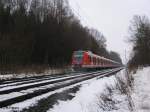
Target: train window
(102, 62)
(78, 56)
(99, 61)
(90, 59)
(94, 61)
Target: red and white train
(87, 59)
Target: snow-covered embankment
(106, 94)
(91, 98)
(141, 92)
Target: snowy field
(141, 93)
(87, 98)
(101, 95)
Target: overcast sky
(112, 18)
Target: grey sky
(112, 18)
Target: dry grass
(123, 86)
(30, 69)
(106, 101)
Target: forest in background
(44, 32)
(140, 39)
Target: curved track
(15, 91)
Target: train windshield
(78, 55)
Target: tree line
(140, 39)
(44, 32)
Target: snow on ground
(31, 102)
(141, 93)
(86, 99)
(29, 84)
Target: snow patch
(141, 93)
(85, 99)
(31, 102)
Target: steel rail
(55, 87)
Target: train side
(86, 59)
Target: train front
(77, 60)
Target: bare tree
(100, 38)
(140, 37)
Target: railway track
(36, 78)
(16, 91)
(16, 82)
